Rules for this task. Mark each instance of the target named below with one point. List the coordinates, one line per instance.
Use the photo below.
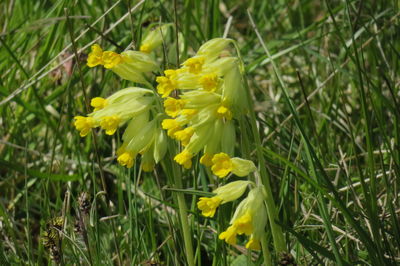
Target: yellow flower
(184, 135)
(229, 235)
(111, 59)
(84, 125)
(194, 64)
(172, 125)
(206, 159)
(250, 218)
(209, 82)
(223, 165)
(173, 106)
(128, 65)
(167, 83)
(244, 224)
(126, 159)
(98, 103)
(110, 124)
(208, 206)
(184, 158)
(227, 193)
(95, 57)
(253, 244)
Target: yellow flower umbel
(224, 194)
(208, 103)
(250, 218)
(129, 65)
(222, 165)
(116, 110)
(154, 38)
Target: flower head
(223, 165)
(98, 103)
(184, 158)
(83, 124)
(224, 194)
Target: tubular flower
(194, 65)
(98, 103)
(84, 125)
(223, 165)
(126, 159)
(172, 125)
(173, 106)
(209, 82)
(167, 83)
(154, 38)
(184, 135)
(250, 218)
(110, 124)
(224, 194)
(184, 158)
(128, 65)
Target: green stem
(183, 213)
(265, 251)
(184, 220)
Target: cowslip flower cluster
(133, 106)
(212, 95)
(250, 217)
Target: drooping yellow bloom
(224, 194)
(110, 124)
(116, 110)
(209, 82)
(229, 235)
(195, 64)
(223, 165)
(126, 159)
(111, 59)
(173, 106)
(184, 158)
(167, 83)
(84, 125)
(206, 159)
(98, 103)
(253, 244)
(208, 206)
(172, 125)
(128, 65)
(184, 135)
(250, 218)
(95, 57)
